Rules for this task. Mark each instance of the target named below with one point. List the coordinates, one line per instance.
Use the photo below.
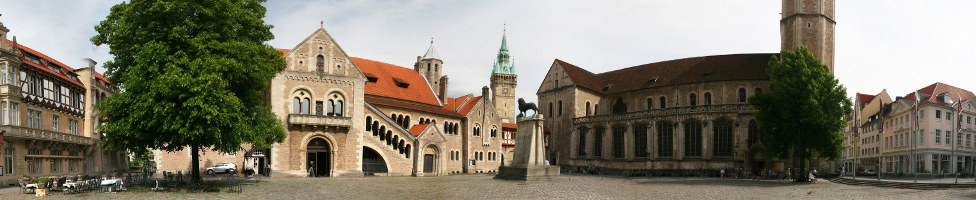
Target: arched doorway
(319, 158)
(430, 159)
(373, 163)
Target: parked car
(226, 168)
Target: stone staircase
(903, 185)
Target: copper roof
(673, 72)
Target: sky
(898, 45)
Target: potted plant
(41, 183)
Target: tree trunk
(195, 160)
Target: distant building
(682, 116)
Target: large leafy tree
(193, 74)
(803, 111)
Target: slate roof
(673, 72)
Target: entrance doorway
(319, 158)
(428, 163)
(373, 163)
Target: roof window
(708, 74)
(371, 78)
(401, 83)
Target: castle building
(503, 82)
(349, 116)
(45, 110)
(678, 117)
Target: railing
(319, 120)
(646, 114)
(36, 134)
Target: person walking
(721, 173)
(789, 174)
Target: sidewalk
(910, 179)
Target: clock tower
(503, 81)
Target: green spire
(503, 63)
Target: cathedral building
(678, 117)
(349, 116)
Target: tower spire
(431, 53)
(503, 62)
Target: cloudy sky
(897, 45)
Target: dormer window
(401, 83)
(371, 78)
(709, 74)
(653, 80)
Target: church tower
(503, 81)
(809, 23)
(429, 66)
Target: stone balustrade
(20, 132)
(319, 120)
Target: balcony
(319, 120)
(19, 132)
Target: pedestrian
(842, 171)
(789, 174)
(721, 173)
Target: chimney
(91, 70)
(443, 89)
(484, 92)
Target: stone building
(681, 116)
(348, 116)
(45, 107)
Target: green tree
(192, 74)
(802, 113)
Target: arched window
(663, 102)
(692, 99)
(454, 129)
(619, 107)
(393, 141)
(428, 68)
(665, 139)
(399, 120)
(640, 141)
(436, 66)
(708, 98)
(389, 135)
(305, 103)
(742, 95)
(722, 140)
(296, 106)
(376, 125)
(560, 108)
(581, 145)
(407, 150)
(587, 108)
(445, 127)
(382, 130)
(400, 146)
(693, 138)
(338, 108)
(330, 107)
(618, 141)
(598, 142)
(550, 109)
(320, 63)
(406, 121)
(596, 109)
(369, 122)
(650, 103)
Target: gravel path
(564, 187)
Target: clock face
(505, 91)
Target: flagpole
(882, 130)
(857, 132)
(958, 128)
(916, 125)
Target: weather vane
(321, 23)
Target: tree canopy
(193, 74)
(802, 113)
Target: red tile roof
(469, 106)
(680, 71)
(387, 101)
(939, 88)
(509, 125)
(418, 129)
(65, 69)
(284, 51)
(865, 99)
(386, 77)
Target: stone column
(679, 144)
(651, 148)
(629, 142)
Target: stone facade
(809, 23)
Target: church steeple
(503, 62)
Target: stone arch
(318, 162)
(430, 162)
(373, 162)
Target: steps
(903, 185)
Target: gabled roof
(680, 71)
(387, 101)
(464, 110)
(864, 99)
(284, 52)
(388, 76)
(939, 88)
(418, 129)
(65, 70)
(510, 125)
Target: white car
(222, 168)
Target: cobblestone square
(563, 187)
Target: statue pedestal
(529, 162)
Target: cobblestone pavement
(564, 187)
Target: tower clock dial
(505, 91)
